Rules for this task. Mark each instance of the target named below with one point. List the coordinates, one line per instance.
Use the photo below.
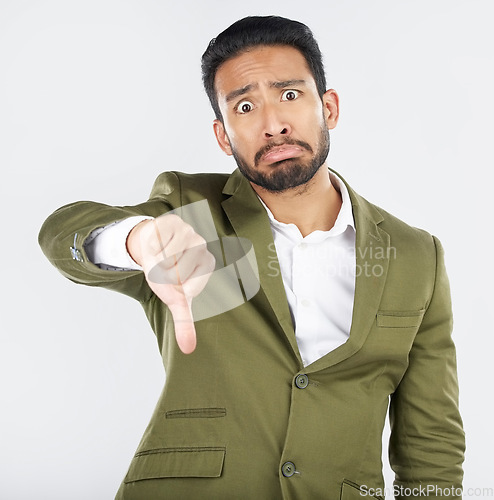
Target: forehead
(262, 65)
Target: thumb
(185, 331)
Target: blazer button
(288, 469)
(302, 381)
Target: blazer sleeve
(427, 441)
(63, 234)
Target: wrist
(133, 242)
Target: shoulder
(367, 214)
(201, 185)
(414, 251)
(412, 246)
(400, 230)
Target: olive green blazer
(241, 417)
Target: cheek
(318, 117)
(306, 119)
(241, 138)
(318, 123)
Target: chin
(283, 179)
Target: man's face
(274, 122)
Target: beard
(286, 174)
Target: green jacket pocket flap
(177, 462)
(400, 319)
(352, 491)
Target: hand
(177, 266)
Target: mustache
(289, 141)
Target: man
(285, 393)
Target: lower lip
(283, 154)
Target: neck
(312, 206)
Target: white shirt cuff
(107, 246)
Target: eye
(244, 107)
(289, 95)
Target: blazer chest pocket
(400, 319)
(392, 337)
(177, 462)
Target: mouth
(281, 153)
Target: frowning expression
(275, 123)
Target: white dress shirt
(107, 246)
(318, 273)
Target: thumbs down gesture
(177, 266)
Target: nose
(275, 124)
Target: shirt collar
(345, 216)
(343, 221)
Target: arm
(174, 258)
(427, 439)
(64, 233)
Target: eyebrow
(286, 83)
(238, 92)
(253, 86)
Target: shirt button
(305, 302)
(302, 381)
(303, 246)
(288, 469)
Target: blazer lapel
(372, 247)
(249, 220)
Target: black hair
(254, 31)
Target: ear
(331, 103)
(222, 137)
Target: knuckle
(188, 230)
(168, 218)
(172, 227)
(199, 240)
(166, 221)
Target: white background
(98, 97)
